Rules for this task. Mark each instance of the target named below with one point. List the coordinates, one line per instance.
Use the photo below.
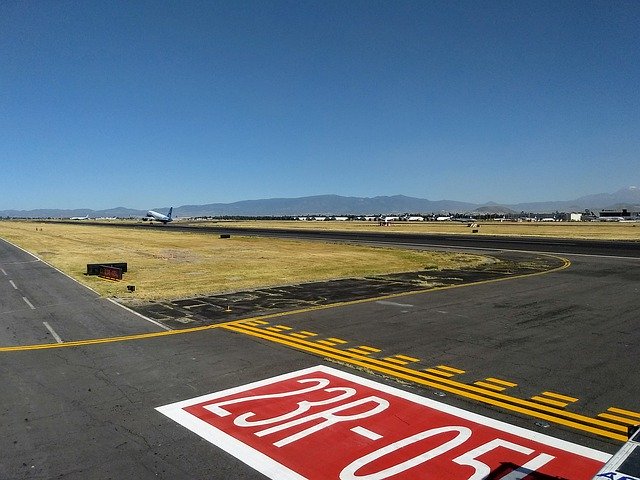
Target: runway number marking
(323, 423)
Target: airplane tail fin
(170, 211)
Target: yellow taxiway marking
(560, 396)
(369, 349)
(628, 413)
(97, 341)
(401, 359)
(303, 334)
(255, 322)
(361, 352)
(527, 407)
(332, 341)
(499, 381)
(630, 417)
(490, 386)
(616, 418)
(438, 372)
(451, 369)
(279, 328)
(406, 358)
(549, 401)
(556, 399)
(364, 350)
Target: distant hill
(324, 205)
(499, 209)
(338, 205)
(628, 197)
(120, 212)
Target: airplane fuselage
(152, 215)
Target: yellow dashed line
(395, 360)
(337, 340)
(549, 401)
(303, 334)
(450, 369)
(332, 341)
(629, 413)
(408, 359)
(279, 328)
(254, 323)
(359, 351)
(501, 382)
(438, 372)
(615, 418)
(401, 359)
(370, 349)
(490, 386)
(560, 397)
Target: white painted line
(395, 304)
(52, 331)
(29, 303)
(140, 315)
(175, 411)
(224, 431)
(3, 272)
(49, 265)
(13, 284)
(365, 432)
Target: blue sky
(149, 104)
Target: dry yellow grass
(165, 264)
(585, 230)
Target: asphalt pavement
(88, 410)
(39, 303)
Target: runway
(39, 303)
(621, 248)
(89, 410)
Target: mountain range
(628, 197)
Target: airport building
(623, 214)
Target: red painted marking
(305, 423)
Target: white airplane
(80, 218)
(151, 215)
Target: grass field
(164, 265)
(585, 230)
